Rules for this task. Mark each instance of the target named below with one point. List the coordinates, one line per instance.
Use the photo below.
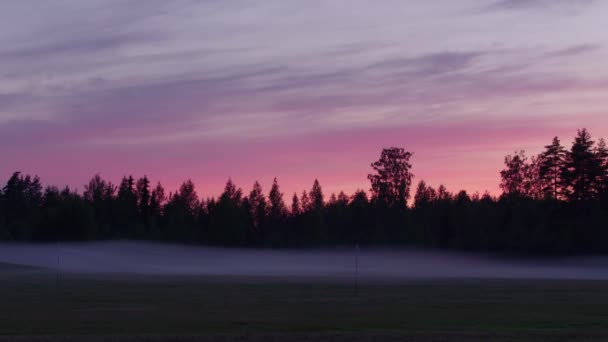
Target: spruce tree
(296, 210)
(316, 197)
(601, 153)
(582, 168)
(258, 209)
(551, 165)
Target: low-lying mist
(163, 259)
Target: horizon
(248, 95)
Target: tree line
(555, 202)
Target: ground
(43, 305)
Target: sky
(298, 90)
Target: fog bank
(164, 259)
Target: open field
(40, 304)
(141, 292)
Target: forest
(555, 202)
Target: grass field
(37, 303)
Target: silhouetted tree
(65, 216)
(126, 209)
(277, 215)
(100, 195)
(338, 218)
(533, 182)
(551, 165)
(22, 199)
(181, 212)
(582, 168)
(306, 206)
(315, 221)
(277, 208)
(142, 188)
(296, 210)
(392, 178)
(316, 197)
(98, 190)
(424, 195)
(157, 200)
(228, 218)
(523, 219)
(258, 209)
(361, 217)
(514, 175)
(601, 153)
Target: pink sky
(298, 90)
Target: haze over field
(139, 258)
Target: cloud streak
(103, 76)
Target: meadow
(46, 305)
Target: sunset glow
(296, 90)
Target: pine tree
(343, 198)
(188, 197)
(258, 208)
(98, 190)
(143, 199)
(22, 197)
(277, 215)
(551, 165)
(229, 219)
(296, 210)
(157, 200)
(601, 153)
(316, 197)
(277, 208)
(443, 194)
(422, 198)
(306, 206)
(582, 168)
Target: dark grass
(198, 308)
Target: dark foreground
(37, 306)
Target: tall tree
(533, 182)
(277, 209)
(305, 202)
(343, 198)
(181, 213)
(126, 208)
(277, 215)
(157, 200)
(142, 188)
(228, 217)
(582, 168)
(424, 195)
(188, 197)
(315, 223)
(22, 199)
(360, 209)
(295, 206)
(98, 190)
(101, 195)
(513, 177)
(258, 209)
(316, 197)
(601, 153)
(392, 178)
(551, 165)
